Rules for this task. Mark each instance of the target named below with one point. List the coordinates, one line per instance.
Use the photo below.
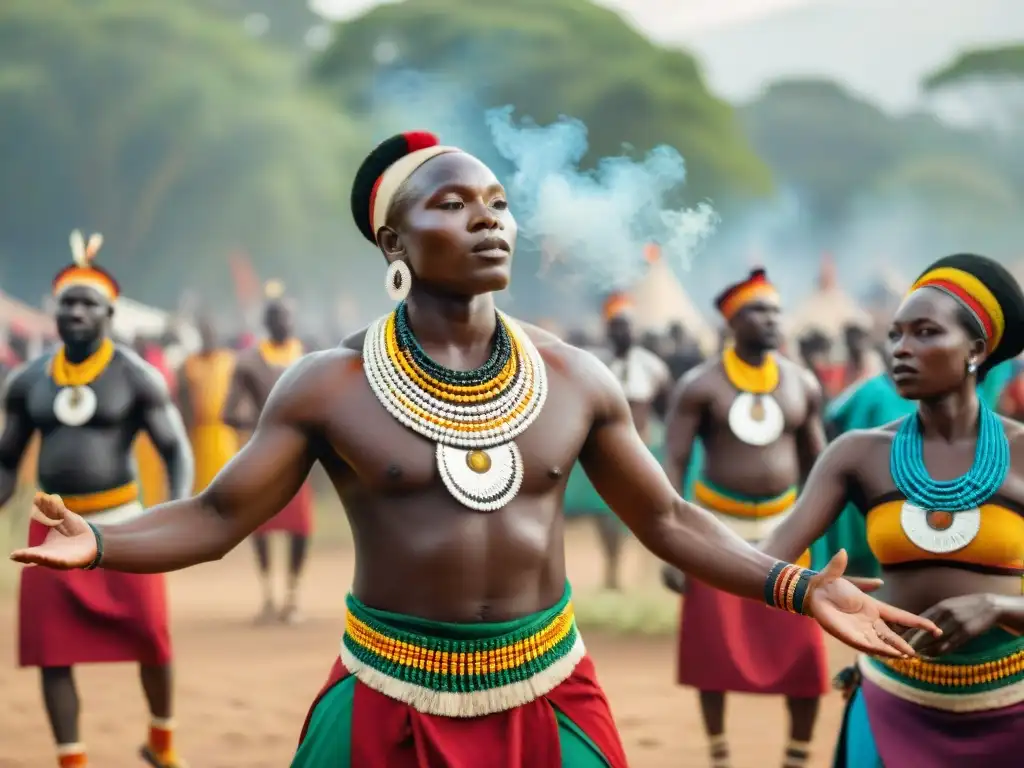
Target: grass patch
(628, 612)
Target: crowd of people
(456, 437)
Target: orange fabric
(161, 740)
(974, 293)
(746, 294)
(152, 474)
(616, 305)
(91, 503)
(280, 355)
(208, 378)
(77, 760)
(93, 278)
(999, 543)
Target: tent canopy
(829, 309)
(659, 301)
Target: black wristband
(99, 548)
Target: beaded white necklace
(477, 459)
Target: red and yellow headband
(973, 294)
(754, 288)
(82, 271)
(616, 305)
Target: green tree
(165, 127)
(986, 86)
(546, 58)
(831, 147)
(982, 65)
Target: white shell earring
(398, 280)
(972, 367)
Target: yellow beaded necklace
(280, 355)
(759, 380)
(67, 374)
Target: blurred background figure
(203, 386)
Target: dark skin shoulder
(154, 412)
(688, 407)
(18, 427)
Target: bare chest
(107, 403)
(383, 457)
(788, 401)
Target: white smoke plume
(597, 222)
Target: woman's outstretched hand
(70, 542)
(857, 619)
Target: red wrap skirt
(84, 617)
(296, 517)
(729, 643)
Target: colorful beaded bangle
(99, 548)
(786, 587)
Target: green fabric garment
(867, 405)
(581, 498)
(328, 742)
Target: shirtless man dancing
(758, 416)
(89, 399)
(449, 429)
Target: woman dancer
(947, 528)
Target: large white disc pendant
(940, 532)
(756, 419)
(74, 406)
(484, 479)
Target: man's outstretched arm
(251, 489)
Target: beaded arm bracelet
(786, 587)
(99, 548)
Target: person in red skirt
(758, 416)
(89, 399)
(257, 370)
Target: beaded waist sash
(461, 670)
(987, 674)
(752, 519)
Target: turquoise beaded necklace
(969, 491)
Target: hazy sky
(880, 48)
(682, 15)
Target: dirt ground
(243, 692)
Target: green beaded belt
(988, 673)
(461, 670)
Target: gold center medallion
(478, 461)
